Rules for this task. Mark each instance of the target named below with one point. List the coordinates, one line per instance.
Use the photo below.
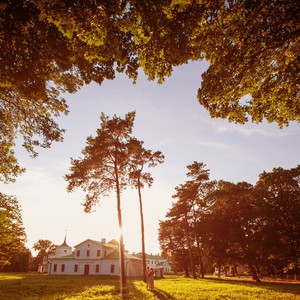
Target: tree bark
(186, 225)
(200, 257)
(142, 230)
(253, 272)
(121, 243)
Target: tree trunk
(253, 272)
(142, 230)
(200, 257)
(185, 266)
(121, 243)
(249, 256)
(296, 268)
(219, 270)
(187, 233)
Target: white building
(90, 257)
(158, 263)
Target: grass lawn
(35, 286)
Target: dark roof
(65, 243)
(113, 242)
(116, 254)
(151, 256)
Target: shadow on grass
(36, 286)
(129, 290)
(162, 295)
(282, 287)
(139, 291)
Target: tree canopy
(12, 233)
(49, 47)
(42, 247)
(237, 223)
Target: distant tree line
(225, 224)
(14, 255)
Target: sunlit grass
(11, 276)
(35, 286)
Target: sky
(169, 119)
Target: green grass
(35, 286)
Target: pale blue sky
(169, 119)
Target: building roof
(65, 242)
(116, 254)
(110, 244)
(71, 256)
(151, 256)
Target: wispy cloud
(167, 141)
(215, 145)
(265, 130)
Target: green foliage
(52, 46)
(253, 50)
(237, 223)
(188, 212)
(21, 261)
(172, 240)
(105, 166)
(42, 246)
(12, 233)
(34, 286)
(30, 83)
(279, 194)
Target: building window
(104, 252)
(87, 252)
(75, 268)
(63, 267)
(55, 268)
(97, 268)
(112, 268)
(98, 252)
(78, 253)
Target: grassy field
(36, 286)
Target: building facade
(90, 257)
(159, 264)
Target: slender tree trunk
(219, 270)
(253, 272)
(249, 255)
(200, 257)
(186, 272)
(294, 251)
(249, 260)
(296, 268)
(142, 230)
(185, 266)
(121, 243)
(187, 233)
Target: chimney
(103, 240)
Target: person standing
(150, 281)
(147, 275)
